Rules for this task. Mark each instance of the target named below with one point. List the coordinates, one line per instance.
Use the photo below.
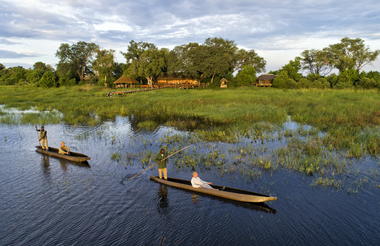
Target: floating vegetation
(116, 157)
(147, 125)
(266, 164)
(330, 182)
(9, 119)
(310, 157)
(217, 136)
(357, 185)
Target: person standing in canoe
(42, 138)
(161, 160)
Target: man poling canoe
(42, 138)
(161, 160)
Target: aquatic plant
(328, 182)
(116, 156)
(147, 125)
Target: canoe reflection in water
(195, 198)
(65, 164)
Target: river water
(47, 201)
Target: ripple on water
(48, 202)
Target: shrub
(246, 76)
(321, 83)
(283, 81)
(48, 80)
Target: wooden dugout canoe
(219, 191)
(72, 156)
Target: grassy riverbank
(349, 119)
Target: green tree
(350, 54)
(292, 69)
(188, 61)
(79, 56)
(283, 80)
(220, 58)
(375, 76)
(104, 65)
(347, 79)
(316, 62)
(250, 58)
(150, 65)
(66, 73)
(13, 75)
(246, 76)
(2, 67)
(49, 79)
(135, 50)
(39, 68)
(332, 79)
(138, 55)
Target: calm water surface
(47, 201)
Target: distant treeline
(336, 66)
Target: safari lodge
(265, 80)
(163, 82)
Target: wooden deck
(122, 93)
(264, 84)
(155, 87)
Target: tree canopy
(208, 62)
(78, 56)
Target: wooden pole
(151, 166)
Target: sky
(32, 30)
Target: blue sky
(32, 30)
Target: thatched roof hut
(265, 80)
(124, 82)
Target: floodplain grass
(350, 118)
(341, 124)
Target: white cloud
(278, 30)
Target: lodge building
(162, 82)
(265, 80)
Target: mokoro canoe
(218, 191)
(72, 156)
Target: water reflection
(195, 198)
(65, 163)
(45, 164)
(163, 201)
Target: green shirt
(160, 160)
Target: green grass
(350, 119)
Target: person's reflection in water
(194, 198)
(45, 164)
(163, 202)
(63, 165)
